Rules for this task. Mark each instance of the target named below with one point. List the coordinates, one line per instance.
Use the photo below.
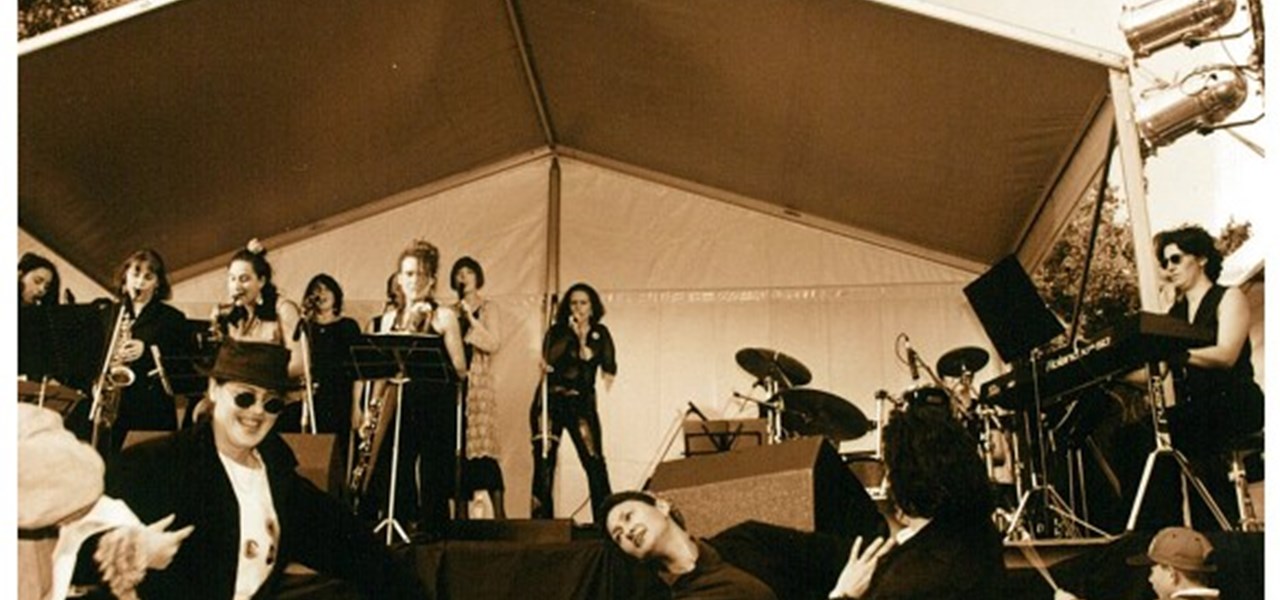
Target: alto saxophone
(115, 374)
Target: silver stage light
(1161, 23)
(1203, 98)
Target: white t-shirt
(259, 527)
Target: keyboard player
(1217, 397)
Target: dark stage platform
(586, 568)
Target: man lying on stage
(945, 547)
(750, 561)
(1180, 563)
(235, 481)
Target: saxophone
(369, 436)
(115, 374)
(379, 398)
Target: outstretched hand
(159, 545)
(856, 576)
(125, 553)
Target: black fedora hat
(255, 363)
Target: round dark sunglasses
(1172, 259)
(273, 405)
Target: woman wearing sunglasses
(1218, 399)
(236, 481)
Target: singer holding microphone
(574, 349)
(257, 312)
(155, 331)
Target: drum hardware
(815, 412)
(933, 393)
(774, 372)
(1164, 447)
(962, 364)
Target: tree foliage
(38, 16)
(1113, 277)
(1112, 292)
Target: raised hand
(856, 576)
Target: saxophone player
(150, 329)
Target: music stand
(66, 342)
(400, 358)
(48, 394)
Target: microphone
(694, 408)
(913, 359)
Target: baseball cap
(1178, 547)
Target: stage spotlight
(1203, 98)
(1161, 23)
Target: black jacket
(944, 561)
(182, 475)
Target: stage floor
(583, 569)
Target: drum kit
(793, 410)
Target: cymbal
(957, 362)
(815, 412)
(771, 364)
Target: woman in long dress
(480, 326)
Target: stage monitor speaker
(1011, 310)
(314, 452)
(800, 484)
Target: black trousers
(575, 413)
(424, 475)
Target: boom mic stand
(1051, 502)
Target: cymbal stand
(1164, 447)
(1052, 502)
(770, 409)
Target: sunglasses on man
(272, 405)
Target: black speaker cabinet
(801, 484)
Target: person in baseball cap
(1181, 564)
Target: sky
(1199, 179)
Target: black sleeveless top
(1201, 382)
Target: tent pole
(552, 284)
(1135, 188)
